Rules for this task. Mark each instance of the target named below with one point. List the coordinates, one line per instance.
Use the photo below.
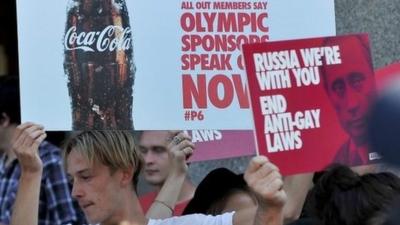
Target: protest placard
(310, 99)
(149, 64)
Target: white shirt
(196, 219)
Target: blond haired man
(104, 165)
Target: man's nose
(77, 191)
(148, 157)
(353, 101)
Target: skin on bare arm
(179, 149)
(25, 144)
(296, 188)
(264, 179)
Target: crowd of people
(93, 179)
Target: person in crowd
(27, 140)
(55, 203)
(341, 196)
(384, 124)
(350, 87)
(154, 147)
(383, 127)
(104, 165)
(221, 191)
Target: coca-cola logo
(110, 38)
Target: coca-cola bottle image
(98, 60)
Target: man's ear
(4, 120)
(127, 176)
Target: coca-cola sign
(111, 38)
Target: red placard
(309, 100)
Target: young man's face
(153, 147)
(95, 188)
(350, 87)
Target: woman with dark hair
(342, 197)
(221, 191)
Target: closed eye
(85, 178)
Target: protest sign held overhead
(158, 65)
(310, 99)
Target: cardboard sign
(158, 65)
(309, 99)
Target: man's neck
(130, 211)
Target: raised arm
(296, 188)
(26, 142)
(179, 149)
(264, 179)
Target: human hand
(180, 148)
(264, 179)
(25, 144)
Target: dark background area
(9, 42)
(8, 34)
